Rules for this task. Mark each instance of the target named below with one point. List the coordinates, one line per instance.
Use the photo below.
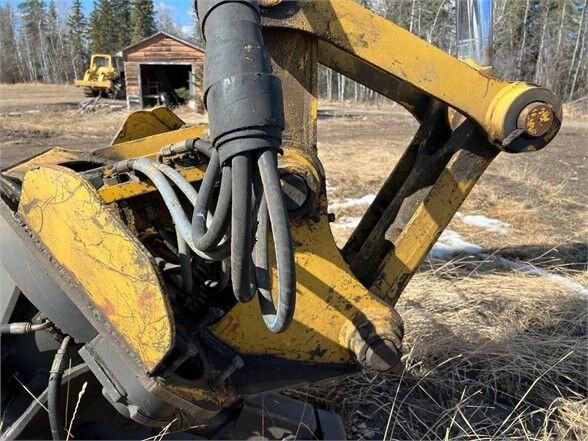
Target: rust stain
(109, 308)
(146, 298)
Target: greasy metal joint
(524, 118)
(123, 166)
(295, 190)
(382, 355)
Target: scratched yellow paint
(328, 301)
(151, 145)
(143, 123)
(92, 244)
(55, 155)
(359, 32)
(429, 220)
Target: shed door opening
(165, 84)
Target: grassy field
(496, 319)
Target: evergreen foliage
(142, 19)
(77, 39)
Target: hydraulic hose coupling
(246, 118)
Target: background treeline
(38, 42)
(541, 41)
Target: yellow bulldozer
(104, 77)
(186, 274)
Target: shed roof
(159, 34)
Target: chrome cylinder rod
(474, 31)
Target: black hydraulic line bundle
(245, 106)
(246, 116)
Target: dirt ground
(528, 209)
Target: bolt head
(296, 191)
(382, 355)
(536, 119)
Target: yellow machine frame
(343, 297)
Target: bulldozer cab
(101, 61)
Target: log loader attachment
(189, 272)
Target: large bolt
(536, 119)
(296, 191)
(382, 355)
(235, 364)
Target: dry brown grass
(577, 109)
(483, 361)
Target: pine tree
(142, 19)
(122, 23)
(9, 72)
(34, 25)
(54, 47)
(77, 39)
(100, 28)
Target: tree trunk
(576, 47)
(523, 42)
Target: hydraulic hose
(24, 327)
(275, 318)
(205, 238)
(246, 116)
(56, 421)
(245, 107)
(159, 174)
(185, 264)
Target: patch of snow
(451, 243)
(532, 269)
(487, 223)
(330, 188)
(353, 202)
(347, 222)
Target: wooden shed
(162, 69)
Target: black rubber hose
(56, 421)
(154, 172)
(185, 187)
(206, 238)
(185, 264)
(276, 319)
(241, 226)
(245, 108)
